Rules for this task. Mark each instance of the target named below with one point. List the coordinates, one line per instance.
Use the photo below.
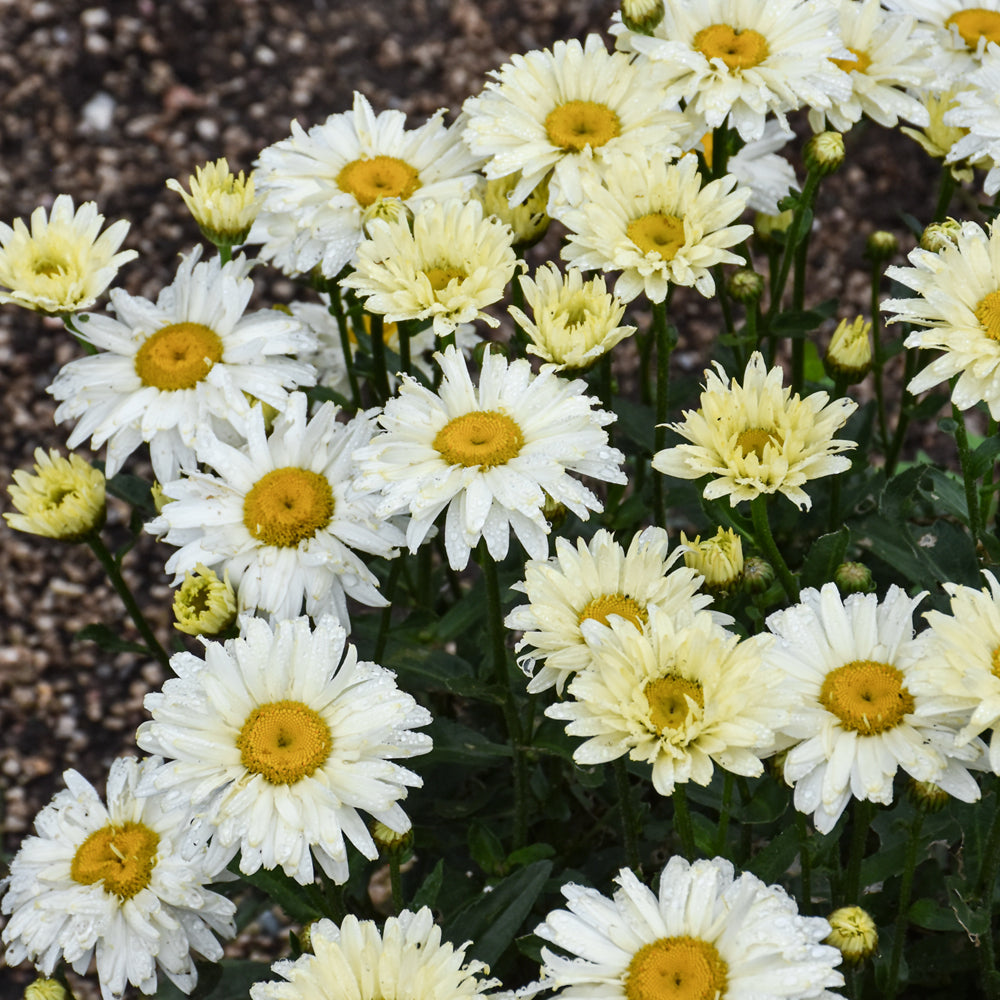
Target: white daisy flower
(976, 112)
(446, 266)
(407, 961)
(316, 185)
(589, 582)
(888, 52)
(742, 60)
(959, 669)
(706, 933)
(491, 455)
(167, 370)
(283, 516)
(554, 114)
(60, 265)
(856, 720)
(962, 29)
(681, 695)
(279, 738)
(113, 881)
(575, 322)
(653, 221)
(758, 166)
(958, 303)
(757, 437)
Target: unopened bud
(939, 235)
(386, 209)
(642, 15)
(528, 220)
(765, 226)
(824, 153)
(926, 795)
(853, 578)
(853, 933)
(881, 245)
(204, 604)
(554, 512)
(389, 841)
(849, 356)
(45, 989)
(758, 575)
(719, 559)
(745, 285)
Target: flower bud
(718, 559)
(204, 604)
(642, 15)
(389, 841)
(939, 235)
(849, 356)
(223, 205)
(45, 989)
(853, 933)
(745, 285)
(881, 245)
(853, 578)
(386, 209)
(824, 153)
(528, 221)
(758, 575)
(766, 226)
(926, 795)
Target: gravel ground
(107, 102)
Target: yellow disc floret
(867, 697)
(614, 604)
(287, 506)
(974, 23)
(737, 48)
(677, 968)
(988, 314)
(178, 356)
(369, 179)
(668, 699)
(756, 439)
(441, 277)
(858, 64)
(486, 438)
(284, 742)
(121, 857)
(576, 124)
(657, 233)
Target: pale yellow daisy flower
(223, 204)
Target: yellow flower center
(178, 356)
(975, 23)
(48, 265)
(995, 662)
(440, 276)
(657, 233)
(287, 506)
(868, 697)
(284, 742)
(614, 604)
(738, 49)
(708, 145)
(988, 314)
(378, 177)
(121, 857)
(756, 439)
(668, 701)
(859, 63)
(676, 968)
(484, 437)
(576, 124)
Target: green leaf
(133, 491)
(322, 394)
(458, 744)
(775, 859)
(983, 458)
(110, 641)
(426, 668)
(824, 556)
(637, 422)
(485, 847)
(301, 902)
(464, 617)
(427, 894)
(494, 917)
(229, 979)
(530, 854)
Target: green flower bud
(854, 578)
(745, 285)
(758, 575)
(824, 153)
(642, 15)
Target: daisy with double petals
(742, 60)
(316, 186)
(166, 370)
(706, 933)
(63, 263)
(491, 454)
(681, 694)
(554, 115)
(653, 221)
(590, 582)
(115, 881)
(283, 517)
(758, 438)
(406, 961)
(856, 719)
(278, 739)
(958, 306)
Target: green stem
(225, 252)
(861, 817)
(118, 582)
(946, 188)
(378, 355)
(964, 457)
(765, 541)
(630, 820)
(86, 345)
(386, 620)
(985, 890)
(798, 302)
(905, 889)
(910, 366)
(682, 821)
(805, 861)
(502, 668)
(724, 813)
(403, 326)
(396, 882)
(336, 307)
(664, 346)
(720, 150)
(878, 359)
(792, 241)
